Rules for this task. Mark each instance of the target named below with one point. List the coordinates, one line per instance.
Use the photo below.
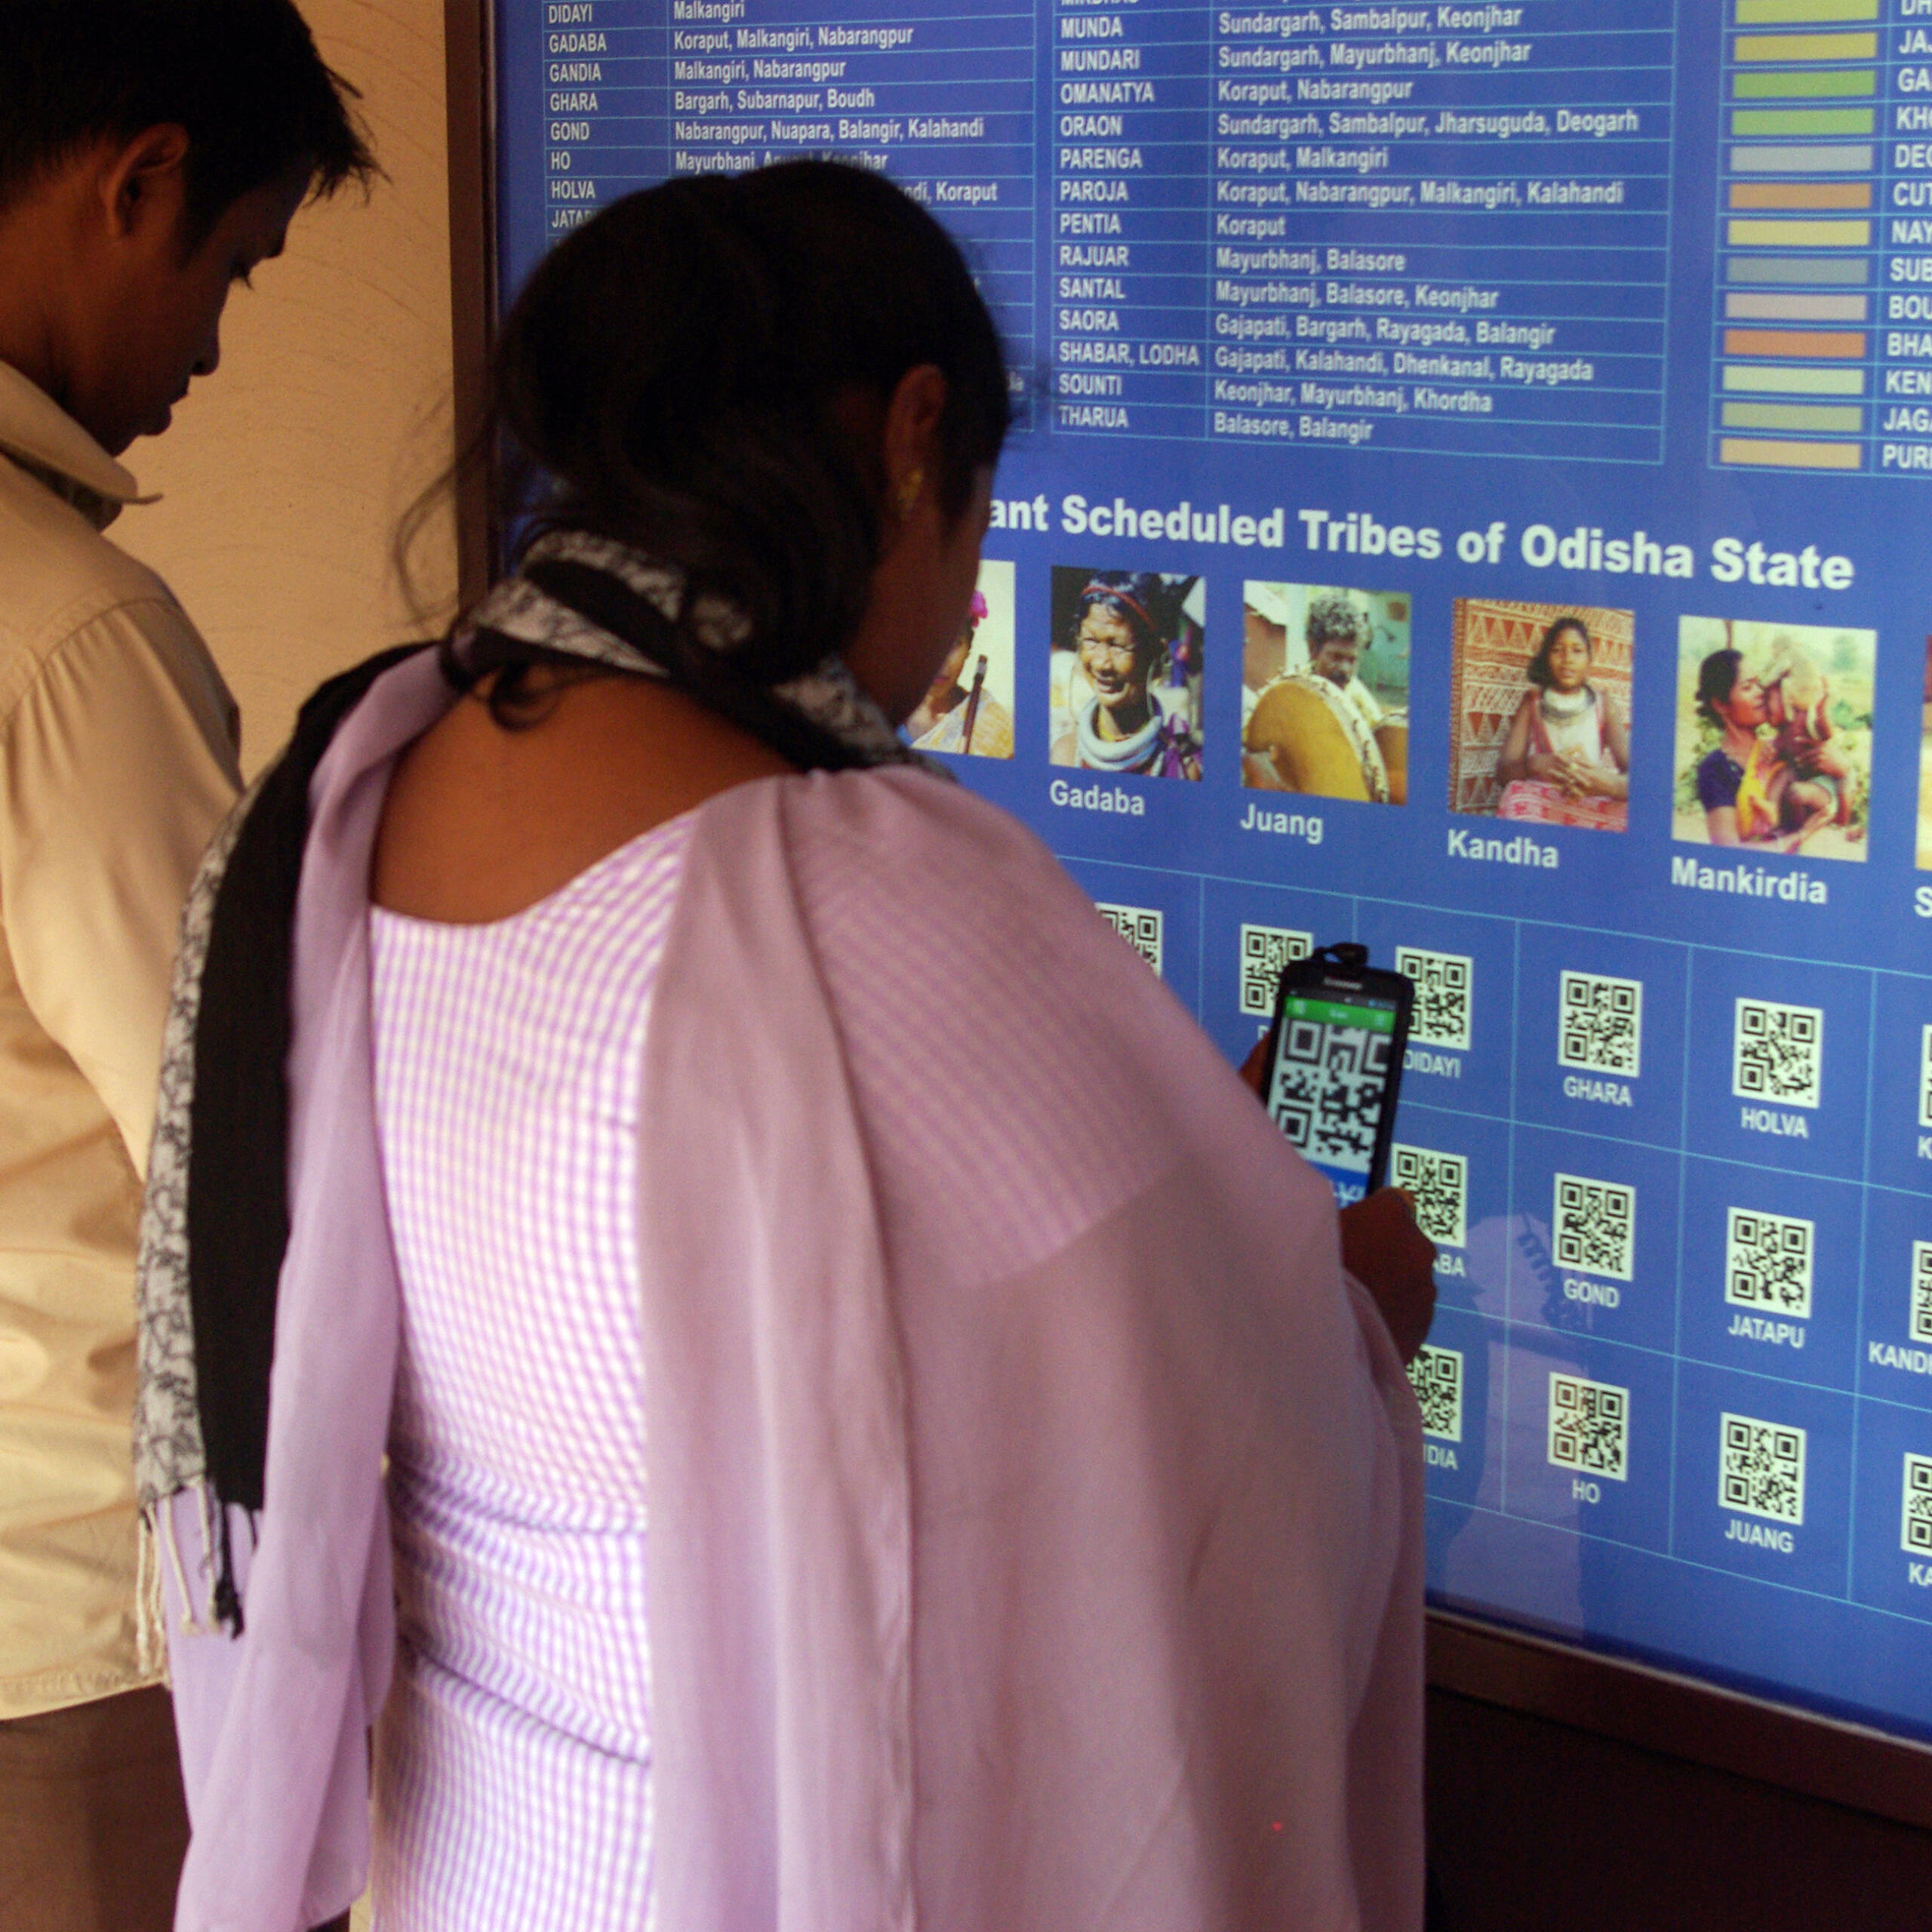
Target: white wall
(284, 473)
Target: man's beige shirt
(118, 745)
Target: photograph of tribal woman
(1540, 704)
(969, 708)
(1125, 672)
(1774, 737)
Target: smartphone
(1334, 1064)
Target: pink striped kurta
(514, 1779)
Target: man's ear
(144, 181)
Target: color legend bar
(1802, 220)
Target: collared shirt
(117, 759)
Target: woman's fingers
(1394, 1261)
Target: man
(152, 154)
(1311, 729)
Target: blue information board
(1473, 499)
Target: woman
(1750, 794)
(1566, 760)
(1123, 727)
(794, 1523)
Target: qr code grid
(1767, 1262)
(1589, 1427)
(1326, 1094)
(1436, 1375)
(1761, 1471)
(1595, 1224)
(1439, 1184)
(1922, 1291)
(1266, 953)
(1779, 1053)
(1140, 926)
(1442, 984)
(1601, 1024)
(1916, 1528)
(1925, 1078)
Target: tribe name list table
(1440, 227)
(939, 94)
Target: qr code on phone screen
(1589, 1427)
(1327, 1091)
(1443, 983)
(1779, 1053)
(1140, 926)
(1601, 1024)
(1436, 1375)
(1266, 953)
(1761, 1470)
(1440, 1184)
(1767, 1262)
(1915, 1530)
(1595, 1227)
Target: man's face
(1335, 659)
(157, 323)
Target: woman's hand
(1382, 1247)
(1391, 1257)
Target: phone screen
(1330, 1081)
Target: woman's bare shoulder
(482, 821)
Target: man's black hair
(242, 76)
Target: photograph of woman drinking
(1566, 760)
(1128, 701)
(1774, 737)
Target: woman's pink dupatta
(1035, 1507)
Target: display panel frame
(1625, 1699)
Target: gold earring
(908, 492)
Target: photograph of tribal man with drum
(1325, 691)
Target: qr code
(1443, 982)
(1767, 1262)
(1600, 1025)
(1326, 1093)
(1916, 1528)
(1589, 1427)
(1925, 1078)
(1266, 952)
(1779, 1053)
(1436, 1375)
(1922, 1291)
(1595, 1227)
(1140, 926)
(1761, 1471)
(1440, 1185)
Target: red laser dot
(1278, 1824)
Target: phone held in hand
(1334, 1063)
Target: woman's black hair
(692, 373)
(1139, 598)
(1717, 677)
(1537, 671)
